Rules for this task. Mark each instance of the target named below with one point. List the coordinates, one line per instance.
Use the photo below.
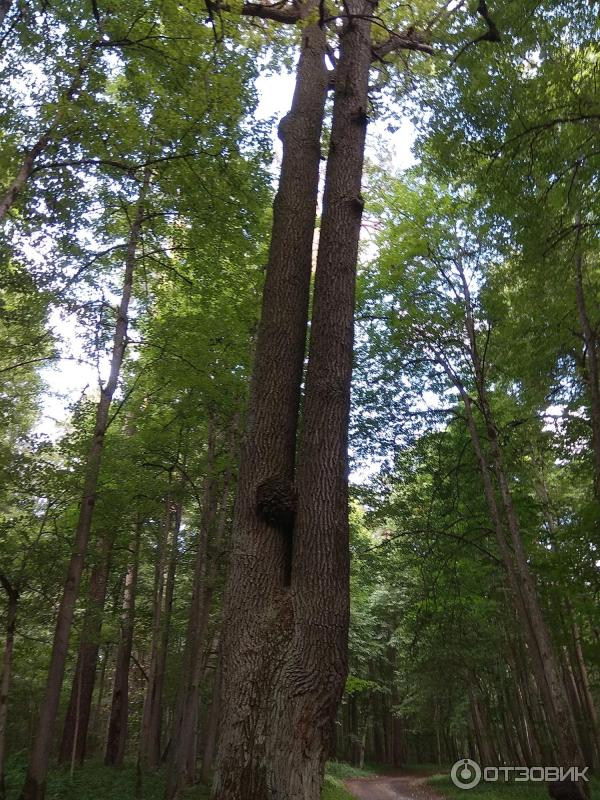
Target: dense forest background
(136, 205)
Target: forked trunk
(256, 621)
(311, 680)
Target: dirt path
(392, 787)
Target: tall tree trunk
(150, 731)
(149, 748)
(592, 369)
(578, 710)
(586, 691)
(96, 735)
(255, 620)
(539, 742)
(212, 728)
(482, 735)
(116, 739)
(183, 752)
(378, 729)
(5, 679)
(312, 678)
(74, 738)
(186, 704)
(35, 781)
(513, 555)
(525, 599)
(353, 738)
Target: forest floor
(406, 786)
(431, 785)
(342, 782)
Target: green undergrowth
(336, 772)
(500, 790)
(94, 781)
(341, 770)
(334, 789)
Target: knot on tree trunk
(276, 502)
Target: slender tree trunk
(149, 748)
(513, 555)
(518, 715)
(378, 729)
(566, 734)
(150, 732)
(212, 728)
(397, 742)
(592, 369)
(480, 730)
(166, 629)
(256, 622)
(95, 741)
(312, 678)
(586, 691)
(35, 781)
(5, 678)
(578, 710)
(539, 743)
(183, 753)
(116, 739)
(186, 704)
(354, 719)
(526, 601)
(73, 746)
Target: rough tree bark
(253, 625)
(35, 781)
(286, 605)
(75, 730)
(116, 739)
(312, 677)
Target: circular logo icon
(465, 774)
